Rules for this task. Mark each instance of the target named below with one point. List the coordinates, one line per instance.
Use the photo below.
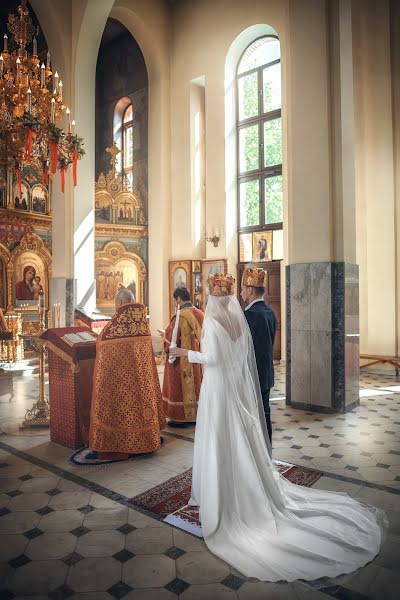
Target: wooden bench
(376, 358)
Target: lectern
(70, 386)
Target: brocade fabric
(126, 412)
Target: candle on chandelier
(1, 65)
(72, 125)
(28, 100)
(48, 60)
(42, 75)
(60, 88)
(34, 47)
(18, 67)
(5, 48)
(53, 109)
(69, 119)
(56, 82)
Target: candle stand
(39, 414)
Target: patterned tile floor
(68, 532)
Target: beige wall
(377, 192)
(200, 46)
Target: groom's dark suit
(262, 323)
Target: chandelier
(32, 112)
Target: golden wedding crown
(254, 278)
(221, 285)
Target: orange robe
(126, 411)
(182, 379)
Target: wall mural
(121, 229)
(120, 239)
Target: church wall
(377, 230)
(197, 33)
(198, 50)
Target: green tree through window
(260, 136)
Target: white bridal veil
(251, 517)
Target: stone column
(322, 331)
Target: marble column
(322, 336)
(322, 295)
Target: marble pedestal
(322, 336)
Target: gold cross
(113, 151)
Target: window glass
(272, 88)
(260, 52)
(128, 114)
(273, 198)
(273, 142)
(249, 149)
(249, 203)
(248, 96)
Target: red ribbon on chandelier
(62, 171)
(74, 167)
(53, 157)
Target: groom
(262, 322)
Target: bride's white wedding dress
(251, 517)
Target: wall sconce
(213, 236)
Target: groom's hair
(259, 291)
(182, 293)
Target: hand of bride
(176, 352)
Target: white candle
(69, 119)
(48, 60)
(56, 81)
(72, 126)
(28, 100)
(1, 65)
(18, 66)
(5, 49)
(60, 88)
(53, 109)
(41, 303)
(42, 75)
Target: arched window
(259, 139)
(123, 138)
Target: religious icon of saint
(36, 287)
(262, 247)
(24, 289)
(180, 278)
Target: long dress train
(251, 517)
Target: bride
(251, 516)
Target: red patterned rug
(170, 499)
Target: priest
(126, 411)
(182, 380)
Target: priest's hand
(176, 352)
